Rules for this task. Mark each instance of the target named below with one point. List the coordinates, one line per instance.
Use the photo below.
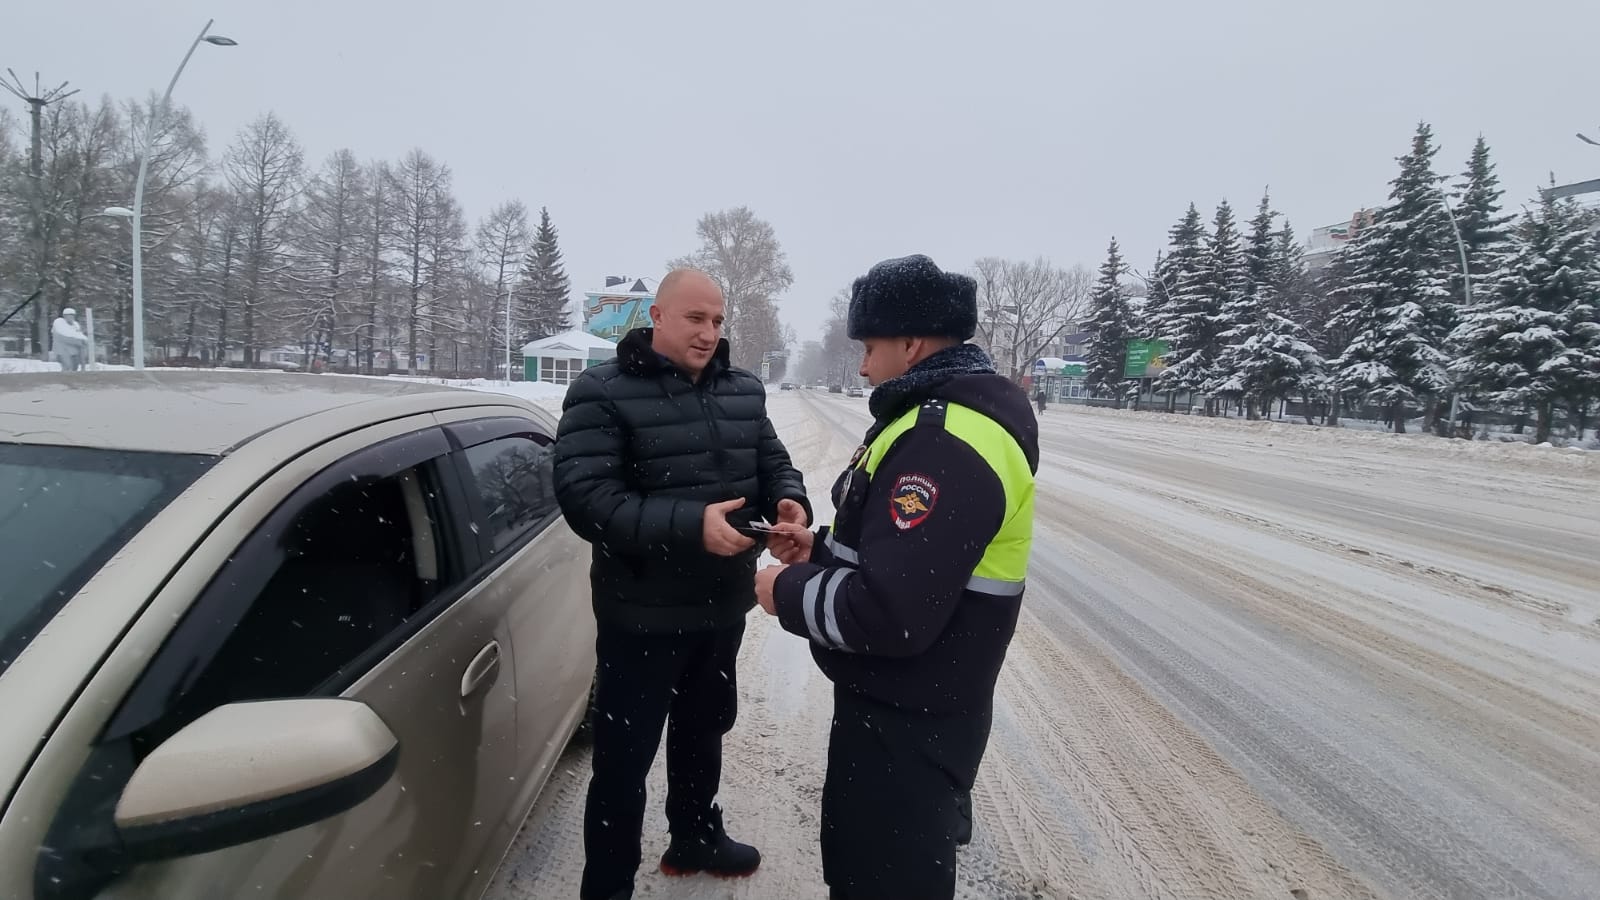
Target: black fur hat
(912, 297)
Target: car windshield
(63, 512)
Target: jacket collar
(637, 355)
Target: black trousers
(644, 682)
(891, 803)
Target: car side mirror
(252, 770)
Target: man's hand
(720, 537)
(791, 543)
(792, 513)
(766, 579)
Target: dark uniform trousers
(892, 801)
(642, 683)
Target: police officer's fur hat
(912, 297)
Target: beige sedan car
(268, 635)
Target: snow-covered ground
(13, 365)
(1254, 660)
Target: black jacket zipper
(716, 438)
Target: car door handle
(481, 667)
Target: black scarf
(897, 395)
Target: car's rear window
(63, 512)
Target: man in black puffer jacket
(663, 455)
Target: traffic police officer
(911, 598)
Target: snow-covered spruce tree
(1583, 352)
(1486, 239)
(1112, 326)
(1530, 344)
(545, 291)
(1485, 227)
(1181, 269)
(1395, 297)
(1155, 302)
(1195, 322)
(1241, 315)
(1299, 298)
(1266, 356)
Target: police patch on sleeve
(912, 500)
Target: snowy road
(1254, 662)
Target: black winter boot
(709, 849)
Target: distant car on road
(295, 636)
(786, 386)
(853, 391)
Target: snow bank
(1495, 452)
(21, 365)
(548, 396)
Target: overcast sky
(868, 129)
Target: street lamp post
(151, 127)
(508, 336)
(110, 212)
(1466, 287)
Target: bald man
(663, 459)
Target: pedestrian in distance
(663, 458)
(911, 597)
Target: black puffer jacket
(640, 452)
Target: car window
(351, 560)
(352, 568)
(63, 512)
(514, 479)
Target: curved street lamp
(1466, 288)
(136, 214)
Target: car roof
(176, 411)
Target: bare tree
(12, 216)
(374, 233)
(177, 162)
(502, 240)
(448, 280)
(263, 169)
(81, 180)
(422, 204)
(204, 249)
(993, 320)
(742, 254)
(1023, 307)
(324, 278)
(839, 353)
(54, 248)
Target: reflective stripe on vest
(1004, 567)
